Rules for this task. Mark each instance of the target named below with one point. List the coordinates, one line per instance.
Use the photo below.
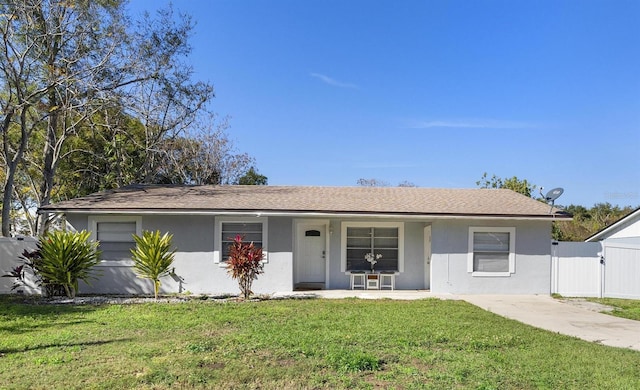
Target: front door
(311, 254)
(427, 257)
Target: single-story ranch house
(444, 240)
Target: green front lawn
(625, 308)
(295, 344)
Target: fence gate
(622, 269)
(575, 269)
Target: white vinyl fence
(609, 268)
(10, 251)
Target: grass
(363, 344)
(625, 308)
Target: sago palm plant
(67, 257)
(152, 257)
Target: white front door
(427, 257)
(311, 254)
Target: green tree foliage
(587, 222)
(67, 257)
(107, 158)
(253, 178)
(152, 257)
(245, 264)
(104, 155)
(513, 183)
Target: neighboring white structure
(11, 249)
(445, 240)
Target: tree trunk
(10, 174)
(12, 166)
(49, 164)
(6, 203)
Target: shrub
(245, 264)
(152, 257)
(66, 257)
(32, 260)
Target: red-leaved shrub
(245, 264)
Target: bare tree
(168, 103)
(372, 183)
(382, 183)
(21, 93)
(206, 155)
(65, 62)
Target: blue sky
(431, 92)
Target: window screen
(491, 251)
(374, 240)
(116, 239)
(250, 232)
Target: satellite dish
(552, 195)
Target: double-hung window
(227, 229)
(382, 241)
(115, 236)
(491, 251)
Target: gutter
(307, 214)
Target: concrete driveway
(562, 317)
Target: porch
(333, 255)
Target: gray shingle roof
(323, 200)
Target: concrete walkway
(572, 318)
(563, 317)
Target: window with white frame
(251, 230)
(384, 241)
(491, 251)
(115, 236)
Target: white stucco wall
(194, 240)
(532, 262)
(195, 270)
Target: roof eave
(307, 213)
